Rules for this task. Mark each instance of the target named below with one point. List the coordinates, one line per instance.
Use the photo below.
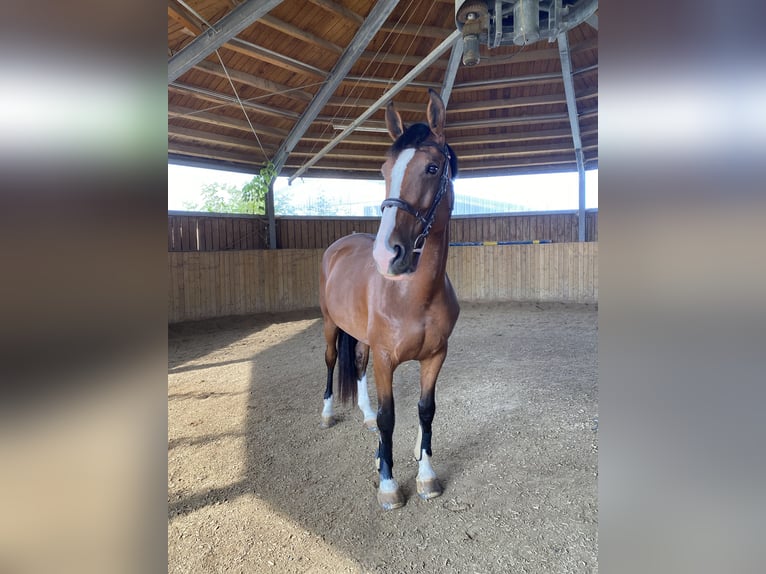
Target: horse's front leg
(389, 494)
(427, 484)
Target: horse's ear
(436, 114)
(393, 121)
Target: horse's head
(418, 171)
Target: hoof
(371, 424)
(390, 500)
(327, 422)
(429, 488)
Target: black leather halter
(427, 219)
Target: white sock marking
(425, 470)
(388, 485)
(327, 410)
(363, 399)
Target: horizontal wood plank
(204, 285)
(214, 232)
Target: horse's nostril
(399, 252)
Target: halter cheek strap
(426, 220)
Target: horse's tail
(347, 387)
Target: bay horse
(390, 293)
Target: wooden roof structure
(269, 80)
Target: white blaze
(382, 252)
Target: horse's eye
(432, 168)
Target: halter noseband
(426, 220)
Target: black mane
(414, 136)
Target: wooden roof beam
(516, 136)
(216, 97)
(489, 123)
(247, 48)
(427, 61)
(223, 31)
(417, 30)
(398, 59)
(515, 58)
(334, 165)
(366, 103)
(339, 10)
(471, 154)
(368, 81)
(551, 78)
(532, 79)
(216, 139)
(179, 14)
(255, 159)
(503, 103)
(521, 151)
(523, 119)
(298, 34)
(490, 163)
(356, 139)
(507, 103)
(356, 155)
(453, 126)
(274, 58)
(366, 32)
(179, 112)
(535, 55)
(255, 81)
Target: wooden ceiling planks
(508, 112)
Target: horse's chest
(413, 338)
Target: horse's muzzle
(404, 261)
(395, 261)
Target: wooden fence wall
(213, 232)
(215, 284)
(210, 232)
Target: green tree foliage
(251, 198)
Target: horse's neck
(433, 261)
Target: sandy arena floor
(254, 485)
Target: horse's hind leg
(362, 396)
(427, 484)
(330, 356)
